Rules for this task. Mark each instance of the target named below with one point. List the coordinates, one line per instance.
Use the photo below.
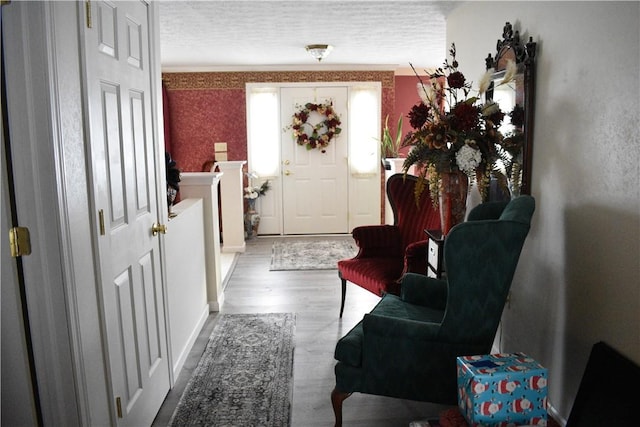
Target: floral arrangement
(453, 131)
(252, 193)
(322, 133)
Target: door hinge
(19, 241)
(119, 407)
(101, 220)
(88, 10)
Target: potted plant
(390, 145)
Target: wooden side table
(435, 255)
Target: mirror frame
(510, 48)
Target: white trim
(157, 117)
(31, 38)
(368, 182)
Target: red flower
(465, 116)
(302, 116)
(456, 80)
(332, 123)
(517, 116)
(496, 118)
(418, 115)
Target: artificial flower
(454, 131)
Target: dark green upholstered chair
(407, 346)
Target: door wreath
(322, 133)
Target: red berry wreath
(322, 133)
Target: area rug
(244, 377)
(294, 254)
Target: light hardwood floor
(314, 296)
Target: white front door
(314, 183)
(124, 187)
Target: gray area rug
(294, 254)
(244, 377)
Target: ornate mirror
(517, 100)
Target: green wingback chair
(407, 346)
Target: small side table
(435, 256)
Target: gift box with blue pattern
(501, 390)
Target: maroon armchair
(387, 252)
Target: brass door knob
(287, 172)
(158, 228)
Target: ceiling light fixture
(319, 51)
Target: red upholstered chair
(387, 252)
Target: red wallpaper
(201, 117)
(406, 97)
(210, 107)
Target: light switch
(220, 147)
(221, 157)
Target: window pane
(263, 131)
(364, 129)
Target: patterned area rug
(294, 254)
(244, 377)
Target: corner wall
(578, 278)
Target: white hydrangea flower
(250, 193)
(468, 158)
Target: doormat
(310, 254)
(244, 377)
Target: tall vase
(251, 219)
(452, 199)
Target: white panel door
(122, 150)
(314, 184)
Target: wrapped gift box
(502, 390)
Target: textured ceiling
(240, 35)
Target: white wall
(578, 278)
(186, 279)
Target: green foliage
(390, 145)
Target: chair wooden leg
(344, 292)
(337, 397)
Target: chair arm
(397, 328)
(396, 339)
(425, 291)
(378, 240)
(415, 257)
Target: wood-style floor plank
(314, 296)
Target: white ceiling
(241, 35)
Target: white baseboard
(227, 249)
(214, 306)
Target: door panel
(123, 152)
(315, 196)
